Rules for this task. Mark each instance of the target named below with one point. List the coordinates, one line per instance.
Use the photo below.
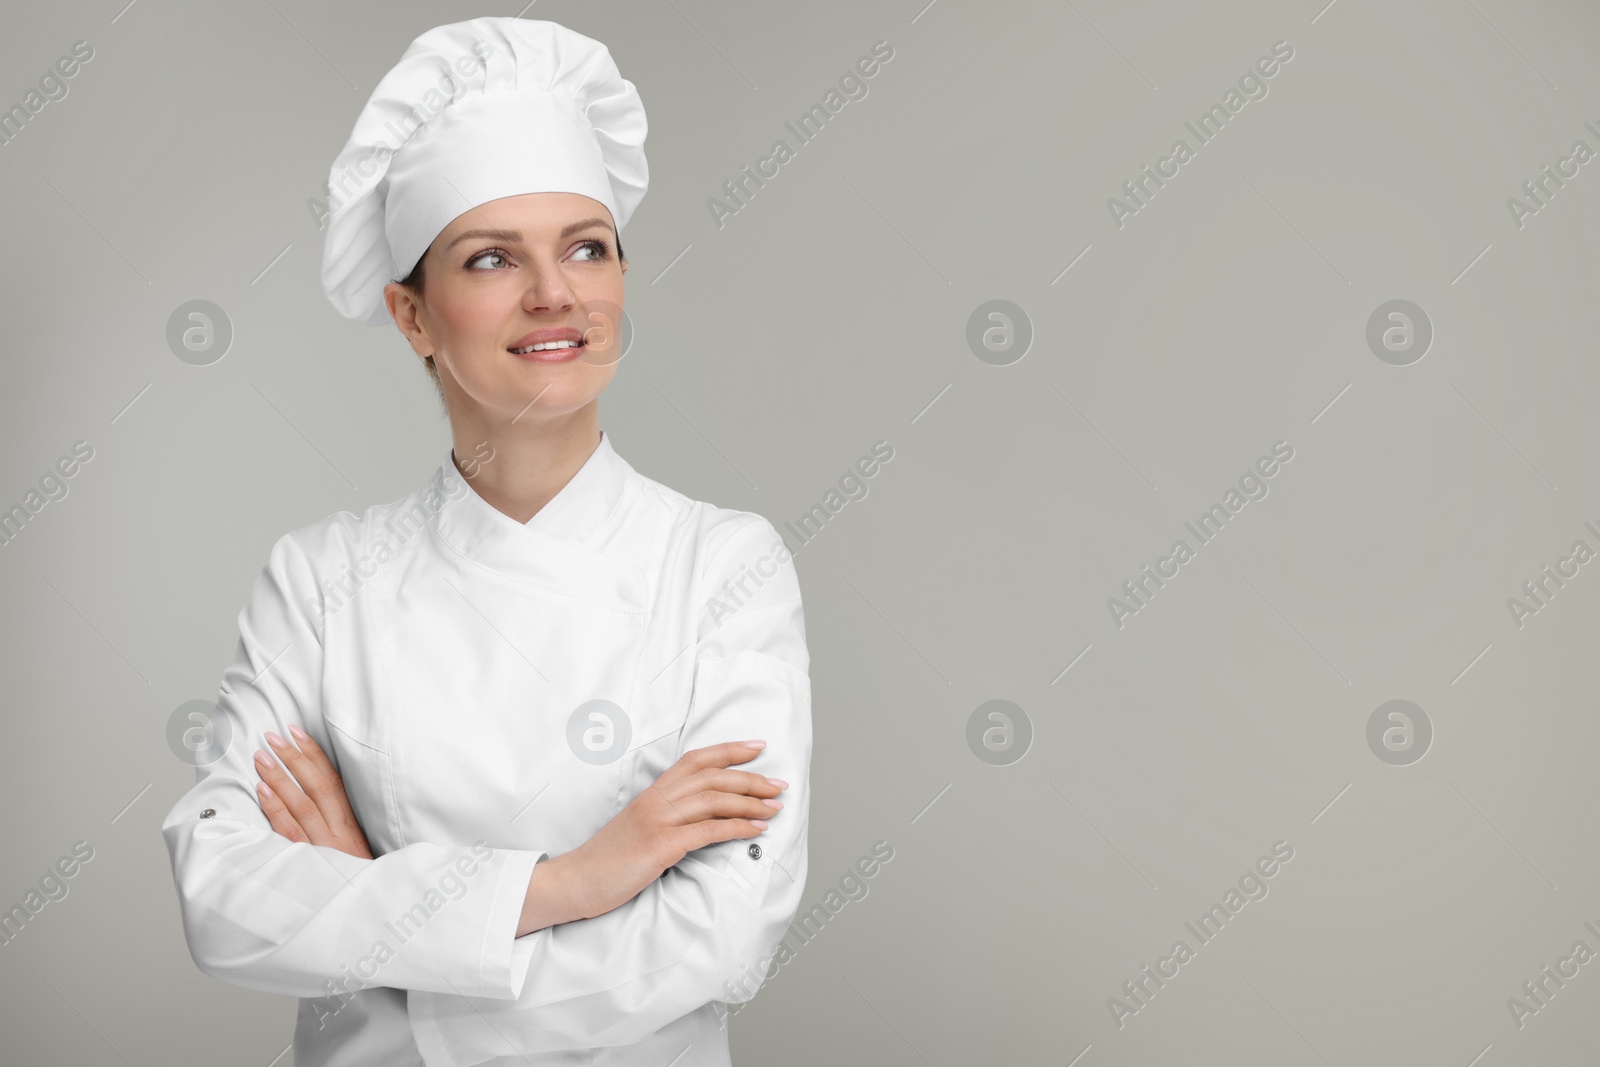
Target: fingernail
(264, 789)
(299, 733)
(274, 740)
(779, 782)
(755, 744)
(263, 758)
(773, 803)
(759, 822)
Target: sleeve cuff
(505, 956)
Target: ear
(404, 309)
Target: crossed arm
(696, 802)
(278, 891)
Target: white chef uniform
(446, 657)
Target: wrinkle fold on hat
(475, 111)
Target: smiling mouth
(546, 346)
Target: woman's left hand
(313, 808)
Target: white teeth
(548, 346)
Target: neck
(517, 469)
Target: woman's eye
(599, 248)
(481, 256)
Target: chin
(554, 390)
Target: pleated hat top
(475, 111)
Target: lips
(548, 338)
(549, 346)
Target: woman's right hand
(700, 800)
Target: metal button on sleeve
(755, 851)
(209, 813)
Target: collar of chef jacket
(560, 548)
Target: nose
(548, 289)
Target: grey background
(830, 313)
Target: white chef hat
(475, 111)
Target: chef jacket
(492, 693)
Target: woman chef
(510, 813)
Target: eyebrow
(516, 235)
